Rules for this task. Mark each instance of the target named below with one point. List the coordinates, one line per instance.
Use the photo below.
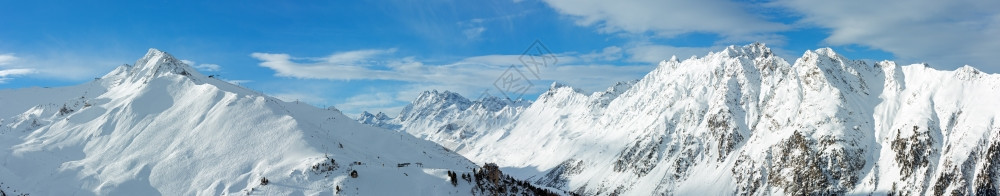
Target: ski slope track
(160, 127)
(740, 121)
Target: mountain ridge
(160, 127)
(822, 125)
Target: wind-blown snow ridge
(744, 121)
(160, 127)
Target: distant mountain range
(739, 121)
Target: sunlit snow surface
(739, 121)
(159, 127)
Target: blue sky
(378, 55)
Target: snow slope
(160, 127)
(740, 121)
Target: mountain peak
(755, 49)
(445, 97)
(156, 52)
(555, 86)
(967, 72)
(154, 57)
(827, 52)
(374, 119)
(154, 64)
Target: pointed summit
(967, 72)
(154, 64)
(157, 62)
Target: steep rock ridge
(160, 127)
(744, 121)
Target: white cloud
(188, 62)
(474, 32)
(469, 76)
(479, 68)
(497, 60)
(610, 53)
(667, 18)
(948, 33)
(5, 73)
(203, 66)
(208, 67)
(7, 59)
(11, 72)
(952, 33)
(356, 56)
(239, 82)
(349, 65)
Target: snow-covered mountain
(160, 127)
(739, 121)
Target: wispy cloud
(5, 73)
(239, 82)
(10, 72)
(474, 32)
(668, 18)
(204, 66)
(7, 59)
(208, 67)
(610, 53)
(62, 66)
(351, 65)
(949, 33)
(943, 32)
(469, 76)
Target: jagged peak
(494, 103)
(434, 96)
(967, 72)
(381, 116)
(157, 62)
(556, 86)
(370, 116)
(614, 91)
(968, 69)
(154, 64)
(822, 57)
(622, 85)
(754, 50)
(156, 52)
(825, 52)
